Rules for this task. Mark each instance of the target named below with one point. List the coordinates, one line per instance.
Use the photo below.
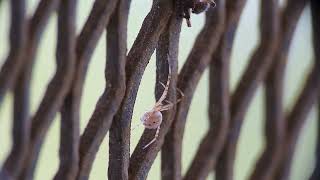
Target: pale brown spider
(152, 119)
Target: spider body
(152, 119)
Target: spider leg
(179, 90)
(162, 84)
(154, 139)
(169, 105)
(166, 88)
(181, 94)
(157, 106)
(166, 107)
(169, 102)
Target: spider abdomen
(151, 119)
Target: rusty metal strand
(167, 55)
(275, 120)
(57, 88)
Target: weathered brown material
(168, 49)
(123, 72)
(57, 88)
(305, 101)
(137, 60)
(21, 123)
(275, 121)
(167, 55)
(218, 109)
(110, 100)
(68, 152)
(86, 43)
(197, 61)
(315, 13)
(253, 75)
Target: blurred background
(252, 136)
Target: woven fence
(112, 115)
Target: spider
(152, 119)
(197, 7)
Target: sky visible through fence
(252, 135)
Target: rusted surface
(57, 88)
(18, 37)
(252, 77)
(218, 109)
(86, 42)
(297, 117)
(8, 73)
(315, 13)
(275, 120)
(137, 60)
(110, 100)
(198, 59)
(21, 121)
(160, 30)
(167, 55)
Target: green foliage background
(252, 136)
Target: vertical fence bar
(57, 88)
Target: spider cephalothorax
(196, 7)
(152, 119)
